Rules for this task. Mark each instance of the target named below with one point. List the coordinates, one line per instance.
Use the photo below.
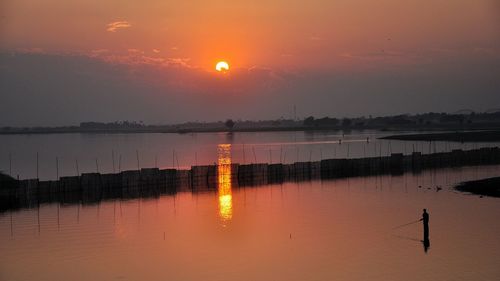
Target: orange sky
(277, 34)
(328, 57)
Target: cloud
(113, 26)
(163, 87)
(315, 37)
(149, 88)
(179, 62)
(137, 57)
(383, 59)
(135, 51)
(31, 50)
(98, 52)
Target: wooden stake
(244, 160)
(119, 163)
(281, 153)
(37, 165)
(57, 168)
(138, 164)
(113, 160)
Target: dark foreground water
(330, 230)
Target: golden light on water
(224, 182)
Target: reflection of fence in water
(95, 187)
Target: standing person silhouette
(425, 220)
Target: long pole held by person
(406, 224)
(425, 219)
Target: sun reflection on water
(224, 183)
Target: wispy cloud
(31, 50)
(179, 62)
(315, 37)
(135, 51)
(114, 26)
(98, 52)
(388, 56)
(138, 57)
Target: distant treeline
(113, 125)
(425, 121)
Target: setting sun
(222, 66)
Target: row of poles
(175, 159)
(282, 157)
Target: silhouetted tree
(326, 122)
(230, 124)
(346, 122)
(309, 121)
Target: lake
(71, 154)
(345, 229)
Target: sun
(222, 66)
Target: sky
(64, 62)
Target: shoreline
(484, 187)
(458, 136)
(450, 131)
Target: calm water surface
(321, 230)
(69, 154)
